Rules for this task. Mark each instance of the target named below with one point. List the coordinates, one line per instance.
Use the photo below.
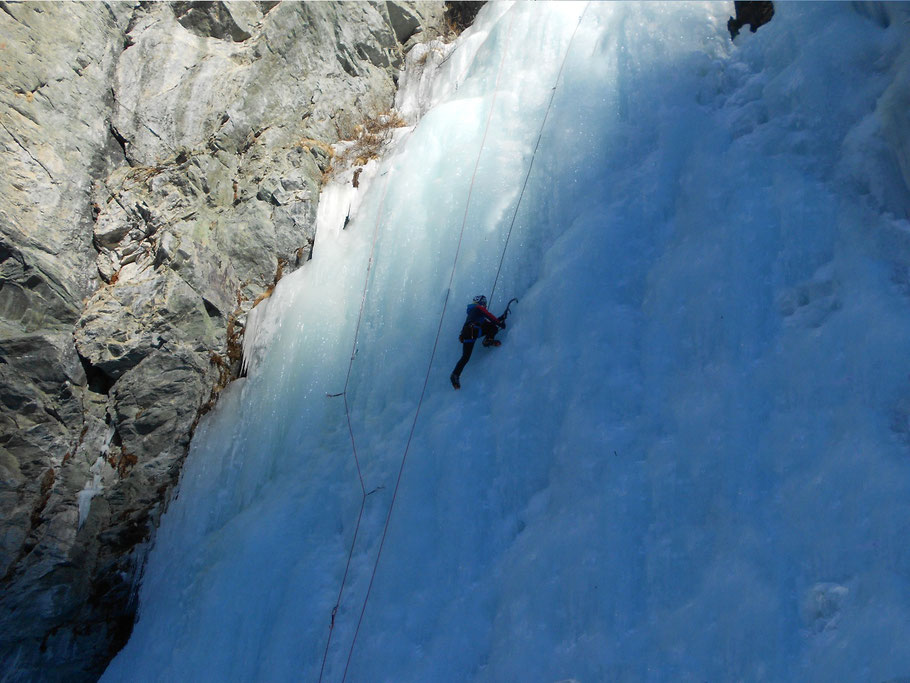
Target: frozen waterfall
(690, 458)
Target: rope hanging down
(534, 153)
(426, 380)
(347, 412)
(364, 493)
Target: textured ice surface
(689, 458)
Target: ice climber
(753, 13)
(479, 322)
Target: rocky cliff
(161, 169)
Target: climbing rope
(432, 358)
(347, 413)
(534, 154)
(433, 353)
(420, 400)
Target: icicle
(93, 486)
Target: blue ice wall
(689, 458)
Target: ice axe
(505, 313)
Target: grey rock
(209, 20)
(34, 293)
(123, 324)
(54, 140)
(29, 355)
(156, 403)
(163, 163)
(405, 23)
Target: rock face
(161, 169)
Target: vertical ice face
(688, 460)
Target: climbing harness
(469, 333)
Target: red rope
(534, 154)
(347, 412)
